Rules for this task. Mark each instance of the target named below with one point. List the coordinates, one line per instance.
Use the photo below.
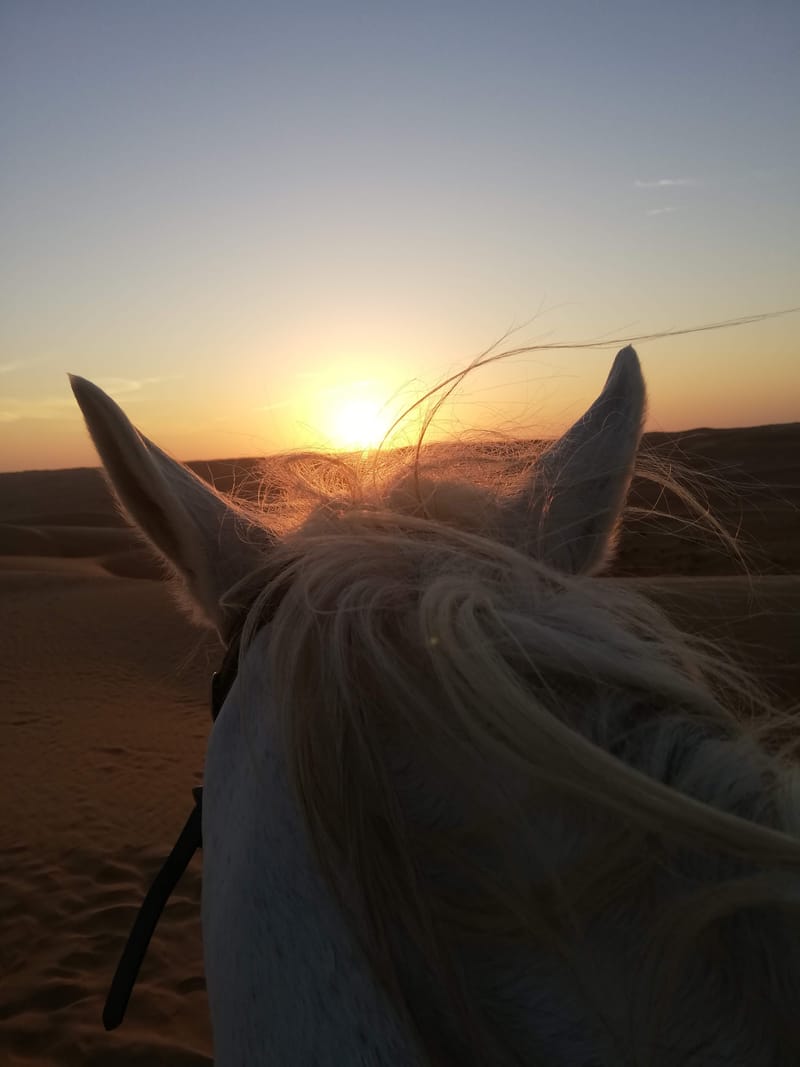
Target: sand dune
(25, 541)
(105, 718)
(103, 705)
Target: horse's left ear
(209, 543)
(571, 510)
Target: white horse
(465, 803)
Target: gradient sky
(239, 217)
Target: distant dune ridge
(755, 490)
(103, 704)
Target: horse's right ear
(570, 508)
(207, 541)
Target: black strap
(189, 840)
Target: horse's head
(517, 781)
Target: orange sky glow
(263, 229)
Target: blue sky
(236, 216)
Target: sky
(263, 226)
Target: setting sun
(359, 423)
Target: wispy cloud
(50, 407)
(764, 174)
(14, 409)
(660, 210)
(19, 364)
(274, 407)
(664, 183)
(125, 386)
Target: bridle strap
(189, 841)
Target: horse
(467, 801)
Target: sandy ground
(105, 719)
(104, 713)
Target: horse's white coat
(286, 984)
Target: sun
(358, 423)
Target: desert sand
(103, 701)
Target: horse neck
(289, 984)
(286, 981)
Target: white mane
(467, 803)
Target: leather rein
(189, 840)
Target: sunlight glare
(358, 423)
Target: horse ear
(580, 483)
(208, 543)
